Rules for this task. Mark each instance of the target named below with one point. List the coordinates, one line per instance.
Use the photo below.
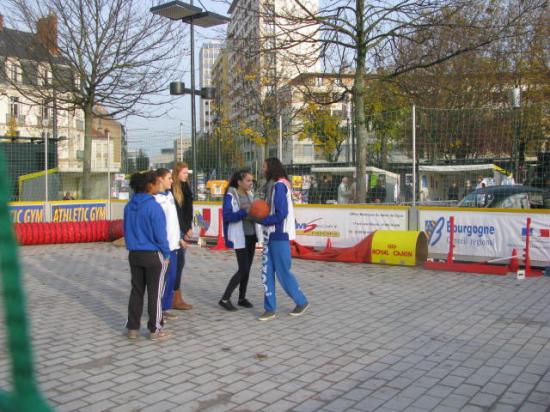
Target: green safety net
(25, 396)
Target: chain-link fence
(415, 155)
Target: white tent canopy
(351, 169)
(458, 168)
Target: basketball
(259, 209)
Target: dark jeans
(244, 260)
(148, 270)
(179, 268)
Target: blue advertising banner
(27, 213)
(79, 212)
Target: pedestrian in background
(344, 191)
(146, 239)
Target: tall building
(259, 67)
(181, 145)
(207, 56)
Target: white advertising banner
(345, 226)
(485, 234)
(206, 214)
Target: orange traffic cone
(513, 266)
(220, 244)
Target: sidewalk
(375, 338)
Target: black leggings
(244, 260)
(179, 268)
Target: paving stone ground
(375, 338)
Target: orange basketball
(259, 209)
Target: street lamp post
(192, 15)
(181, 142)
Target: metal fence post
(414, 155)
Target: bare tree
(365, 36)
(112, 54)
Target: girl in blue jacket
(147, 241)
(240, 234)
(279, 230)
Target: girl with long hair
(240, 234)
(279, 230)
(183, 196)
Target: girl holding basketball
(279, 230)
(240, 234)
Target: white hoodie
(168, 204)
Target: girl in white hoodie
(168, 204)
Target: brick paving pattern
(375, 338)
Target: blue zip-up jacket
(281, 211)
(145, 225)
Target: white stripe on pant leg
(164, 267)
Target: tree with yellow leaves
(12, 127)
(324, 129)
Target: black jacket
(185, 211)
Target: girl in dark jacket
(184, 206)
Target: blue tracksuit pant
(276, 259)
(168, 293)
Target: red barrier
(68, 232)
(360, 253)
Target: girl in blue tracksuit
(240, 234)
(279, 230)
(146, 239)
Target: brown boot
(178, 302)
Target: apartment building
(258, 68)
(207, 56)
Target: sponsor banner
(78, 212)
(345, 226)
(29, 213)
(314, 225)
(486, 234)
(205, 218)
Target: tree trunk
(359, 104)
(87, 162)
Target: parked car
(507, 197)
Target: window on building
(14, 106)
(45, 110)
(14, 72)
